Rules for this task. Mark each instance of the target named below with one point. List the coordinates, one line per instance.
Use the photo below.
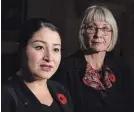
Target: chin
(45, 75)
(98, 50)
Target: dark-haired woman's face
(44, 53)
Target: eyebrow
(44, 42)
(103, 24)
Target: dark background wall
(66, 14)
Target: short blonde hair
(98, 13)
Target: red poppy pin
(62, 98)
(112, 78)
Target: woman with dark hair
(95, 80)
(40, 52)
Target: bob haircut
(99, 13)
(32, 26)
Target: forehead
(99, 15)
(47, 35)
(99, 23)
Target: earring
(19, 73)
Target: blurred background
(66, 14)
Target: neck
(37, 85)
(96, 60)
(40, 90)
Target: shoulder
(8, 98)
(77, 55)
(112, 62)
(57, 88)
(70, 67)
(119, 67)
(7, 92)
(11, 82)
(56, 85)
(73, 60)
(5, 89)
(8, 88)
(8, 85)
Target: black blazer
(16, 96)
(84, 98)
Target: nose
(48, 57)
(98, 33)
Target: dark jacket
(85, 98)
(16, 96)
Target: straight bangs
(99, 14)
(96, 15)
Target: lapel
(56, 92)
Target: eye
(56, 50)
(105, 29)
(39, 47)
(91, 27)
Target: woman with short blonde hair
(94, 78)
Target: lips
(45, 67)
(96, 42)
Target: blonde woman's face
(99, 34)
(44, 53)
